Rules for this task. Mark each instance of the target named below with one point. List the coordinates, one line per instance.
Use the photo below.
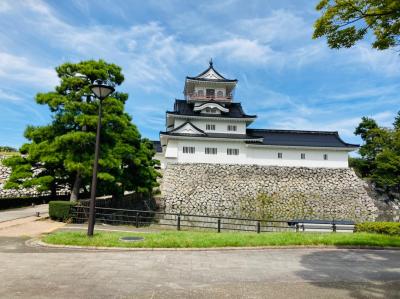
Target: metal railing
(140, 218)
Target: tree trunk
(76, 187)
(78, 178)
(53, 191)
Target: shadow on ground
(346, 272)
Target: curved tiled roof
(300, 138)
(182, 107)
(211, 67)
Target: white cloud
(366, 92)
(20, 69)
(280, 26)
(9, 96)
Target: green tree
(61, 153)
(7, 149)
(396, 123)
(380, 153)
(344, 22)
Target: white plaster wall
(221, 126)
(253, 155)
(292, 157)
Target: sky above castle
(289, 80)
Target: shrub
(60, 210)
(388, 228)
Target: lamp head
(101, 91)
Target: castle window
(279, 155)
(188, 150)
(210, 93)
(220, 93)
(303, 156)
(210, 151)
(232, 128)
(210, 127)
(200, 93)
(232, 151)
(325, 156)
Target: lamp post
(101, 91)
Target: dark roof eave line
(353, 146)
(211, 115)
(212, 80)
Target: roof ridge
(295, 131)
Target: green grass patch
(185, 239)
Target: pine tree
(61, 153)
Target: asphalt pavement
(273, 273)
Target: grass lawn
(187, 239)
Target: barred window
(188, 150)
(232, 128)
(303, 156)
(279, 155)
(325, 156)
(232, 151)
(210, 127)
(210, 150)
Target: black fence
(142, 218)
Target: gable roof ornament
(211, 74)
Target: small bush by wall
(60, 210)
(388, 228)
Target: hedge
(60, 210)
(24, 201)
(388, 228)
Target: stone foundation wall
(266, 192)
(31, 192)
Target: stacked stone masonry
(5, 172)
(266, 192)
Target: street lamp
(101, 91)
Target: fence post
(297, 227)
(179, 222)
(137, 219)
(303, 227)
(258, 227)
(334, 227)
(219, 225)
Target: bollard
(37, 214)
(219, 225)
(178, 226)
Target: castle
(208, 126)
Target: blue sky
(289, 80)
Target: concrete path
(23, 222)
(278, 273)
(7, 215)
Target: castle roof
(300, 138)
(212, 75)
(182, 107)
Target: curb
(38, 243)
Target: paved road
(280, 273)
(13, 214)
